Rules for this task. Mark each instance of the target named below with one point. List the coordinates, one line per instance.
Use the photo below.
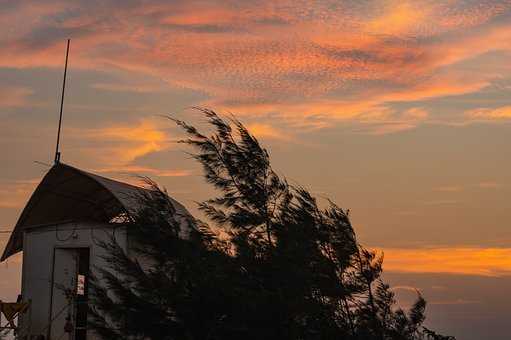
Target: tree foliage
(288, 268)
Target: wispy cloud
(124, 143)
(119, 147)
(489, 185)
(500, 113)
(261, 130)
(388, 121)
(144, 171)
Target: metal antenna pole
(57, 152)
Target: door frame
(52, 282)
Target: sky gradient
(397, 110)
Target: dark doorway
(82, 294)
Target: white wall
(38, 261)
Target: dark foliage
(288, 268)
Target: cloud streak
(452, 260)
(485, 114)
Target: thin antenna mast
(57, 152)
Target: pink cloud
(276, 58)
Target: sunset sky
(397, 110)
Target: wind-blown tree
(287, 269)
(297, 253)
(174, 288)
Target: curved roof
(67, 193)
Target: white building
(58, 231)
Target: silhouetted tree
(287, 269)
(176, 283)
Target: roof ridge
(88, 173)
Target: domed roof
(70, 194)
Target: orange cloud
(399, 17)
(468, 46)
(445, 86)
(117, 147)
(267, 131)
(132, 141)
(470, 261)
(500, 113)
